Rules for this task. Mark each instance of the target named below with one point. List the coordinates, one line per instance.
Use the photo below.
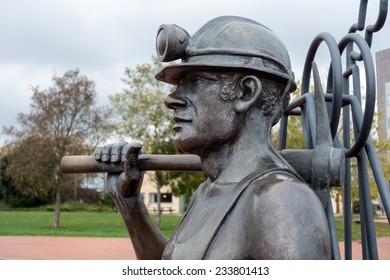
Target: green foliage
(383, 150)
(186, 183)
(11, 195)
(107, 201)
(383, 153)
(295, 139)
(79, 206)
(32, 167)
(140, 112)
(63, 119)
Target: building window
(165, 198)
(388, 99)
(388, 122)
(387, 88)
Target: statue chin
(188, 145)
(183, 147)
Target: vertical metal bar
(333, 232)
(347, 211)
(363, 232)
(369, 246)
(310, 122)
(380, 179)
(356, 82)
(367, 214)
(306, 127)
(283, 132)
(356, 114)
(347, 177)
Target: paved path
(86, 248)
(383, 244)
(65, 248)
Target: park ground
(106, 248)
(98, 236)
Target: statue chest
(211, 229)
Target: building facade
(383, 93)
(170, 204)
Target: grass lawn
(381, 229)
(108, 224)
(93, 224)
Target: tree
(13, 196)
(139, 110)
(63, 119)
(185, 184)
(384, 158)
(383, 150)
(140, 114)
(295, 138)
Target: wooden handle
(300, 160)
(88, 164)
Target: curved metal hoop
(339, 94)
(336, 73)
(370, 29)
(364, 126)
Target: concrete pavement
(87, 248)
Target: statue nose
(174, 102)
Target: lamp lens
(161, 43)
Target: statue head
(227, 42)
(239, 53)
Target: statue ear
(250, 89)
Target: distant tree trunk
(56, 218)
(337, 203)
(75, 187)
(158, 204)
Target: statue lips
(180, 121)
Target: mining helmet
(224, 42)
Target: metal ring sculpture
(339, 98)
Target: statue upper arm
(289, 222)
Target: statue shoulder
(280, 187)
(290, 218)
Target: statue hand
(128, 183)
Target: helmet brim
(173, 74)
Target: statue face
(203, 120)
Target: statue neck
(250, 151)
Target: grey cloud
(102, 37)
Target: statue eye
(181, 82)
(195, 81)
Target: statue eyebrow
(202, 75)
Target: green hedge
(79, 206)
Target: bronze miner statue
(233, 82)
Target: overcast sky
(42, 37)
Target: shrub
(80, 206)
